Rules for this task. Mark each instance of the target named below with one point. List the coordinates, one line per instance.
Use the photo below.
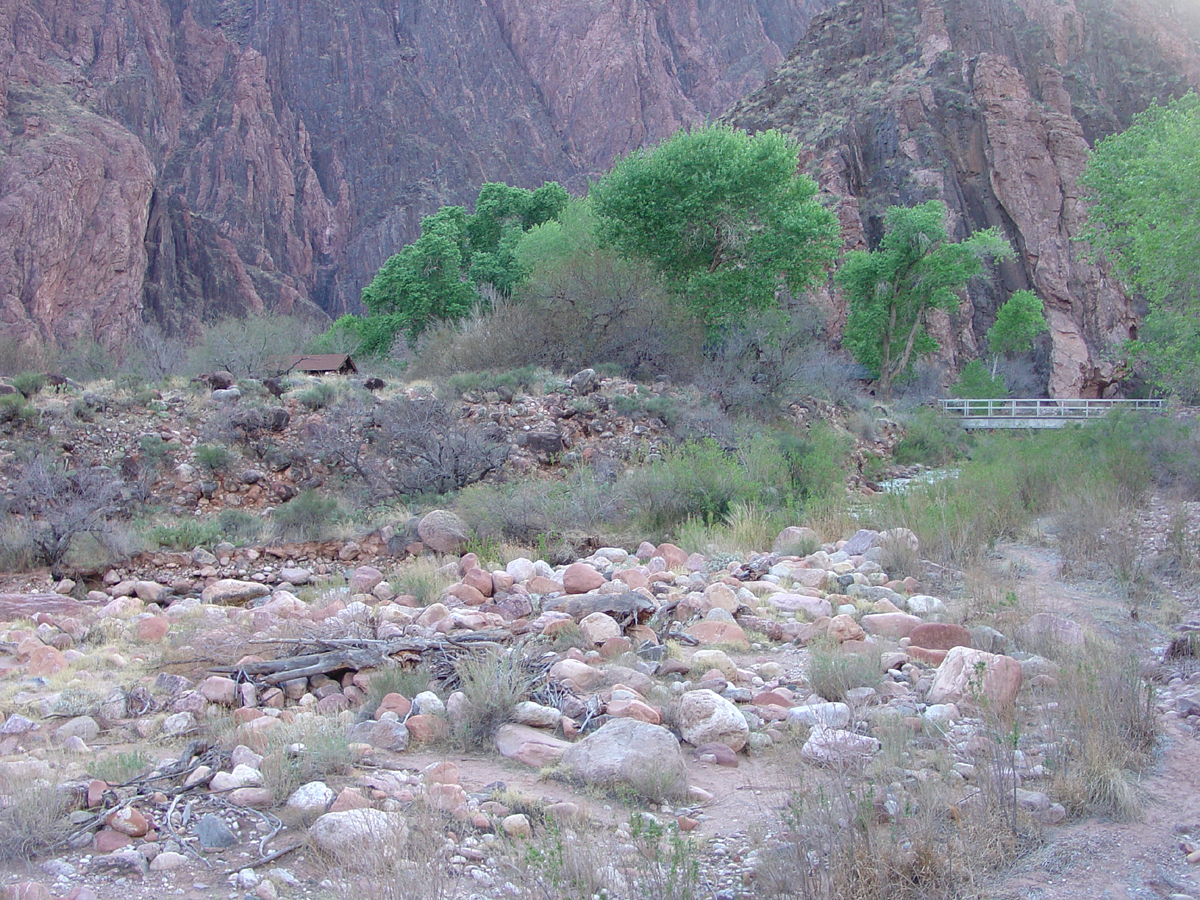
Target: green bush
(307, 517)
(319, 396)
(28, 383)
(238, 526)
(931, 439)
(185, 535)
(697, 480)
(832, 670)
(492, 684)
(512, 382)
(975, 382)
(213, 458)
(13, 408)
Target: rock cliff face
(175, 160)
(990, 106)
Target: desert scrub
(492, 684)
(121, 767)
(319, 396)
(312, 748)
(28, 384)
(213, 458)
(422, 579)
(307, 517)
(931, 439)
(33, 817)
(184, 535)
(833, 670)
(394, 680)
(1104, 728)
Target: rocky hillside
(202, 157)
(990, 107)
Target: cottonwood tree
(725, 217)
(1142, 188)
(892, 289)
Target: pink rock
(95, 793)
(333, 703)
(529, 746)
(675, 558)
(28, 890)
(614, 647)
(253, 797)
(423, 729)
(540, 584)
(717, 752)
(107, 840)
(479, 580)
(890, 624)
(502, 581)
(254, 733)
(599, 627)
(939, 636)
(219, 689)
(397, 703)
(632, 578)
(364, 579)
(973, 676)
(576, 674)
(634, 709)
(843, 628)
(349, 798)
(580, 578)
(713, 632)
(154, 628)
(45, 661)
(467, 594)
(442, 773)
(771, 698)
(128, 820)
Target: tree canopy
(1143, 190)
(891, 289)
(438, 277)
(723, 216)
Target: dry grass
(33, 817)
(832, 670)
(1104, 727)
(414, 871)
(312, 748)
(492, 684)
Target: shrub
(60, 507)
(13, 408)
(245, 346)
(975, 382)
(307, 517)
(238, 526)
(832, 670)
(28, 383)
(492, 683)
(693, 481)
(423, 580)
(311, 748)
(508, 384)
(1107, 728)
(319, 396)
(185, 535)
(931, 439)
(33, 818)
(213, 458)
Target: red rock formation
(990, 107)
(179, 160)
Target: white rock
(312, 797)
(706, 717)
(359, 836)
(835, 747)
(832, 715)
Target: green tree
(1143, 189)
(723, 216)
(1018, 322)
(438, 277)
(891, 289)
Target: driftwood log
(339, 655)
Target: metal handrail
(1044, 409)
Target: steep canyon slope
(990, 106)
(176, 160)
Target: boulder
(442, 531)
(939, 636)
(837, 748)
(580, 578)
(231, 592)
(706, 717)
(890, 624)
(829, 715)
(529, 746)
(843, 628)
(794, 539)
(968, 675)
(598, 628)
(629, 753)
(362, 836)
(1047, 628)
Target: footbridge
(1038, 413)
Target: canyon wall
(990, 106)
(174, 161)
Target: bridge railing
(1035, 408)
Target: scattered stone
(529, 746)
(968, 675)
(443, 531)
(213, 833)
(231, 592)
(631, 753)
(706, 717)
(359, 835)
(838, 748)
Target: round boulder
(706, 717)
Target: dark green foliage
(723, 216)
(28, 383)
(307, 517)
(213, 458)
(1143, 189)
(319, 396)
(438, 277)
(975, 382)
(185, 535)
(13, 408)
(931, 439)
(915, 269)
